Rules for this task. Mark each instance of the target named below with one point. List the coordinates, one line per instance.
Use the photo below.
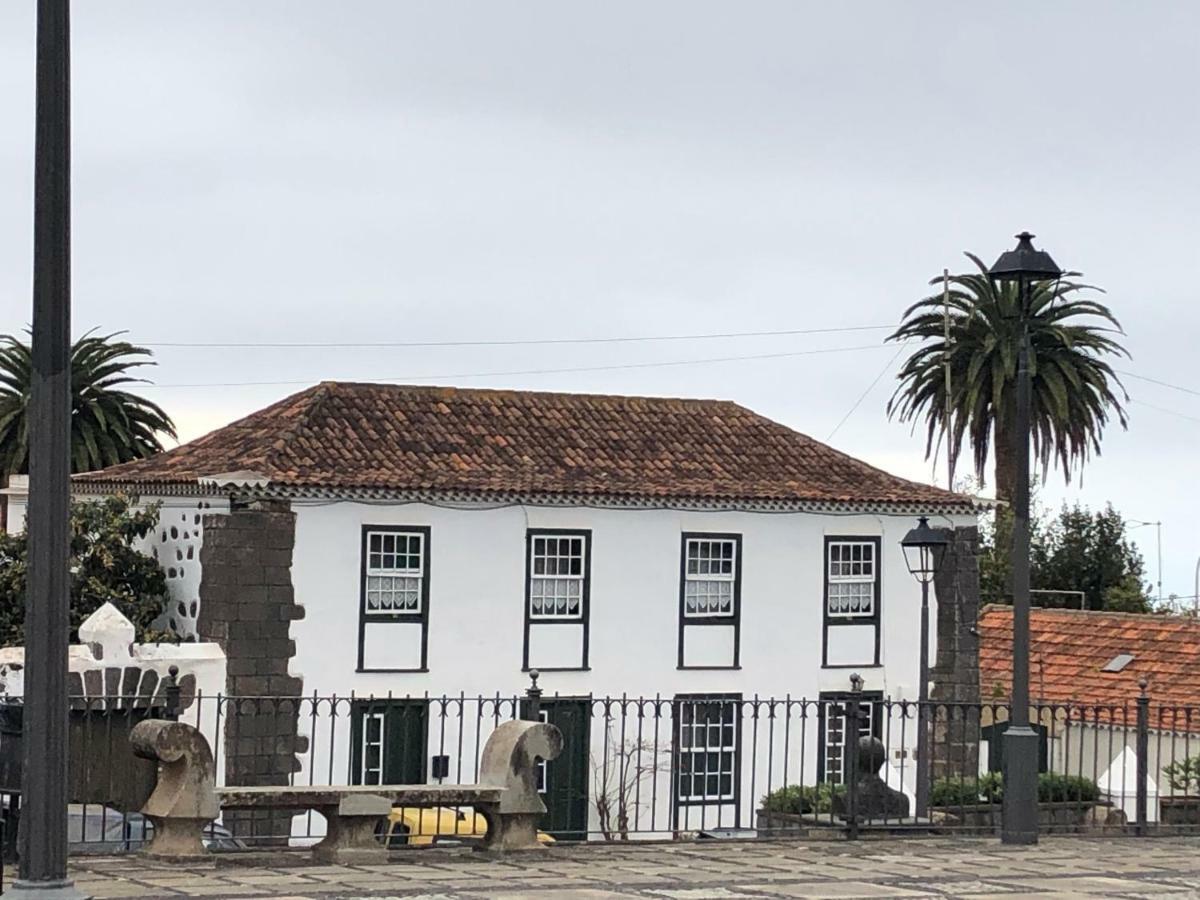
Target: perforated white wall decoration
(175, 543)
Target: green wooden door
(387, 741)
(563, 782)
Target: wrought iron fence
(676, 767)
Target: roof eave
(260, 488)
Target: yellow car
(425, 826)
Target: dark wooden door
(563, 782)
(387, 741)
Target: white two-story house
(448, 541)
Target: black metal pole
(43, 869)
(922, 703)
(851, 777)
(1143, 756)
(1020, 812)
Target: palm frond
(109, 425)
(1076, 393)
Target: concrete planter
(1061, 818)
(779, 824)
(1179, 810)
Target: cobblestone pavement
(1058, 867)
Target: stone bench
(352, 812)
(186, 799)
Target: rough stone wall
(955, 673)
(247, 605)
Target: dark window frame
(365, 618)
(699, 621)
(876, 617)
(829, 699)
(734, 701)
(585, 600)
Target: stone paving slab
(1067, 867)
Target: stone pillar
(247, 605)
(955, 673)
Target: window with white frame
(372, 749)
(557, 570)
(539, 770)
(852, 579)
(833, 725)
(395, 573)
(710, 578)
(707, 746)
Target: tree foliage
(1075, 391)
(105, 567)
(109, 425)
(1076, 549)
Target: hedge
(989, 788)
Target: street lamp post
(43, 834)
(1023, 265)
(924, 550)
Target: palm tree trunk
(1006, 461)
(1005, 448)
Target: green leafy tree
(109, 425)
(1076, 549)
(105, 567)
(1075, 391)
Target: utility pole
(1137, 523)
(946, 368)
(43, 835)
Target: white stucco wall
(477, 596)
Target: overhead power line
(1169, 412)
(1166, 384)
(870, 387)
(609, 368)
(522, 342)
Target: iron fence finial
(533, 695)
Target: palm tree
(109, 425)
(1075, 391)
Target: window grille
(707, 751)
(372, 749)
(556, 577)
(852, 578)
(710, 578)
(395, 570)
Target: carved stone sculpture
(184, 800)
(510, 762)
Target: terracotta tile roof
(349, 436)
(1069, 649)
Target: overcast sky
(391, 171)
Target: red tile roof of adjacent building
(350, 437)
(1070, 648)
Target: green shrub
(1184, 775)
(987, 788)
(1054, 788)
(803, 799)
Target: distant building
(1086, 674)
(382, 539)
